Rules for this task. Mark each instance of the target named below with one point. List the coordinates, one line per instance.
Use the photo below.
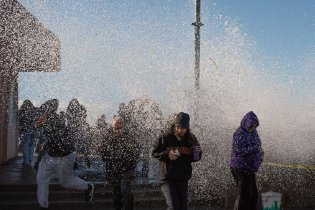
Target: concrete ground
(22, 178)
(296, 185)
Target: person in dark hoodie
(176, 150)
(43, 112)
(27, 127)
(120, 152)
(246, 158)
(59, 160)
(80, 130)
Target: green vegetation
(275, 206)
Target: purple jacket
(246, 145)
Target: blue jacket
(246, 148)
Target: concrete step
(15, 197)
(28, 193)
(154, 203)
(148, 203)
(71, 195)
(57, 187)
(98, 207)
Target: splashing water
(112, 57)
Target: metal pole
(197, 25)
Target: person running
(59, 160)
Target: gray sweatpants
(57, 167)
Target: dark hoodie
(27, 117)
(175, 170)
(120, 152)
(58, 142)
(246, 145)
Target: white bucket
(271, 200)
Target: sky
(256, 55)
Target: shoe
(44, 208)
(89, 193)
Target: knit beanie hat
(182, 120)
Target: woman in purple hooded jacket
(246, 158)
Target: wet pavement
(13, 172)
(18, 179)
(296, 185)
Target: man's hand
(172, 155)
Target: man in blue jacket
(246, 158)
(176, 151)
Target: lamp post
(197, 24)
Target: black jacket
(179, 169)
(58, 142)
(120, 153)
(27, 119)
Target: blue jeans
(27, 146)
(176, 195)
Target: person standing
(176, 150)
(27, 128)
(246, 157)
(80, 130)
(120, 152)
(59, 160)
(40, 124)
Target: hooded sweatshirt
(120, 152)
(58, 143)
(246, 145)
(27, 116)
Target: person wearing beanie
(176, 150)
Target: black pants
(247, 190)
(122, 192)
(176, 195)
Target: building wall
(12, 132)
(5, 83)
(25, 45)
